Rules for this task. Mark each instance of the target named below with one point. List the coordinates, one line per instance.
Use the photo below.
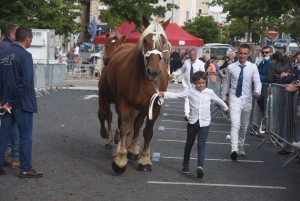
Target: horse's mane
(156, 29)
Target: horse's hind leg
(117, 133)
(109, 141)
(102, 116)
(134, 147)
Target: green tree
(41, 14)
(253, 10)
(290, 22)
(132, 11)
(203, 27)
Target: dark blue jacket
(263, 69)
(17, 78)
(294, 77)
(5, 43)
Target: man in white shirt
(188, 73)
(76, 51)
(238, 81)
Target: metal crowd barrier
(214, 82)
(257, 117)
(49, 76)
(281, 114)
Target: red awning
(176, 35)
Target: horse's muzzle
(151, 76)
(105, 61)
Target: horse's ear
(123, 38)
(107, 35)
(146, 22)
(166, 23)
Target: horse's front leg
(109, 141)
(102, 110)
(145, 162)
(120, 155)
(134, 147)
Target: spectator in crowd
(205, 58)
(207, 55)
(176, 60)
(17, 96)
(239, 77)
(199, 98)
(70, 57)
(263, 69)
(76, 51)
(190, 66)
(212, 66)
(288, 78)
(276, 68)
(12, 147)
(228, 60)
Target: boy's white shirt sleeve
(219, 101)
(226, 84)
(175, 95)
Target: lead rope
(160, 100)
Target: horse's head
(113, 41)
(152, 45)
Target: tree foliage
(252, 10)
(291, 22)
(41, 14)
(203, 27)
(132, 11)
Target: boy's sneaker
(241, 151)
(200, 172)
(234, 156)
(185, 168)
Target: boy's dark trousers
(192, 131)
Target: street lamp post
(221, 26)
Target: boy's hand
(228, 111)
(256, 95)
(172, 75)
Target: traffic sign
(220, 25)
(272, 33)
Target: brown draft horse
(113, 41)
(134, 74)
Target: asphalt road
(68, 149)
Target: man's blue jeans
(24, 121)
(13, 143)
(192, 131)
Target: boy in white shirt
(199, 120)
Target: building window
(187, 15)
(199, 11)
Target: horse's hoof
(132, 157)
(108, 146)
(104, 133)
(116, 169)
(145, 168)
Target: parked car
(281, 43)
(94, 57)
(293, 48)
(220, 50)
(85, 46)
